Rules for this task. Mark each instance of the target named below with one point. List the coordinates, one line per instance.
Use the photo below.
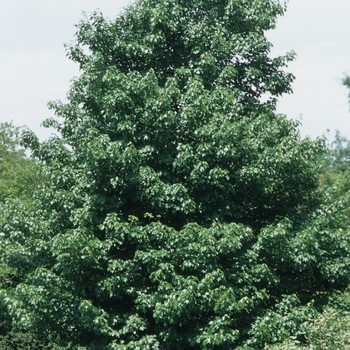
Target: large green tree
(180, 211)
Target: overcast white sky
(34, 68)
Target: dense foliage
(179, 210)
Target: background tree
(19, 180)
(330, 329)
(180, 211)
(346, 81)
(18, 173)
(335, 178)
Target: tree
(180, 211)
(335, 178)
(346, 81)
(19, 178)
(18, 173)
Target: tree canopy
(180, 211)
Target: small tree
(181, 211)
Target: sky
(34, 68)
